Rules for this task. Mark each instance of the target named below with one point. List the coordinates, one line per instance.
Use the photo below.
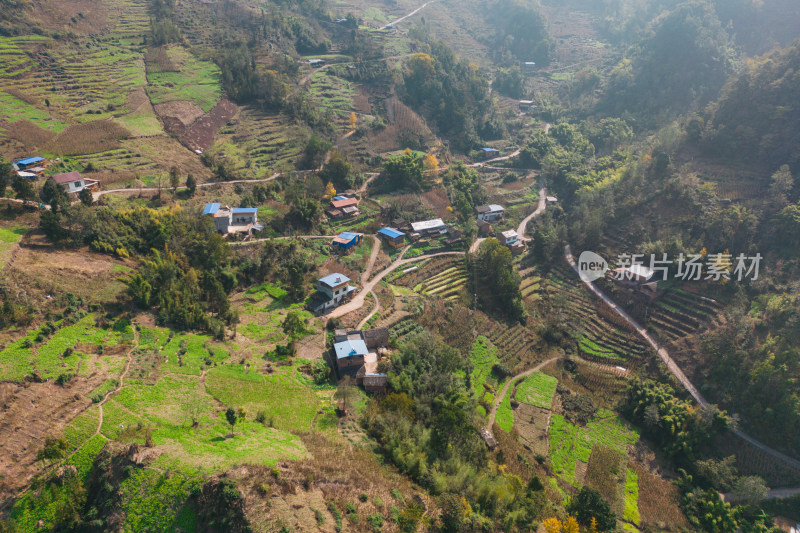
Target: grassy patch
(83, 459)
(286, 401)
(82, 427)
(100, 392)
(538, 390)
(632, 497)
(195, 80)
(570, 443)
(154, 501)
(483, 356)
(505, 416)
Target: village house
(332, 290)
(453, 236)
(485, 228)
(73, 182)
(489, 153)
(231, 221)
(636, 277)
(359, 352)
(490, 213)
(392, 237)
(429, 227)
(510, 239)
(526, 105)
(528, 66)
(346, 241)
(316, 62)
(343, 207)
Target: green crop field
(8, 238)
(505, 415)
(538, 390)
(332, 92)
(483, 356)
(632, 497)
(570, 443)
(193, 80)
(84, 457)
(155, 501)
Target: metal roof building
(350, 348)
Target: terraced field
(446, 284)
(680, 313)
(600, 337)
(258, 143)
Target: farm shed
(23, 164)
(343, 202)
(428, 226)
(347, 240)
(526, 105)
(392, 237)
(489, 153)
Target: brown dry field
(200, 135)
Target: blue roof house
(347, 240)
(392, 237)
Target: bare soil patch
(28, 413)
(88, 138)
(27, 133)
(200, 135)
(658, 501)
(178, 115)
(532, 424)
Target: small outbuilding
(392, 237)
(489, 153)
(23, 164)
(347, 240)
(428, 227)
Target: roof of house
(340, 197)
(69, 177)
(526, 102)
(344, 203)
(391, 233)
(491, 208)
(509, 234)
(350, 209)
(244, 210)
(638, 272)
(211, 208)
(487, 149)
(349, 348)
(427, 225)
(23, 174)
(29, 161)
(346, 237)
(334, 280)
(376, 337)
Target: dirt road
(523, 226)
(130, 190)
(672, 366)
(358, 301)
(499, 398)
(401, 19)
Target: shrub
(363, 497)
(261, 417)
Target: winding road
(672, 366)
(130, 190)
(404, 17)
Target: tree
(404, 171)
(338, 170)
(6, 172)
(314, 153)
(293, 325)
(54, 195)
(781, 186)
(191, 184)
(344, 393)
(330, 191)
(174, 179)
(588, 504)
(353, 120)
(22, 188)
(432, 164)
(54, 449)
(570, 525)
(751, 489)
(231, 417)
(498, 282)
(552, 525)
(86, 197)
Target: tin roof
(334, 280)
(29, 161)
(211, 208)
(244, 210)
(349, 348)
(391, 233)
(69, 177)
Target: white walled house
(73, 182)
